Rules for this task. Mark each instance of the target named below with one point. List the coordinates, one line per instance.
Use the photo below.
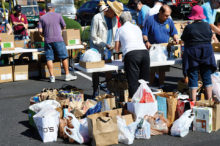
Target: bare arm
(117, 46)
(215, 29)
(176, 38)
(9, 29)
(25, 25)
(147, 43)
(214, 38)
(41, 31)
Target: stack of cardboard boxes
(33, 69)
(7, 42)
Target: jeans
(205, 72)
(58, 47)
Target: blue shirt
(141, 15)
(159, 33)
(3, 26)
(109, 25)
(209, 13)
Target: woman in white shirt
(136, 57)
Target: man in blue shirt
(210, 11)
(143, 11)
(158, 29)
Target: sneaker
(52, 79)
(70, 77)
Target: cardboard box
(56, 69)
(33, 70)
(7, 42)
(6, 74)
(215, 112)
(99, 64)
(216, 47)
(19, 44)
(203, 119)
(22, 2)
(20, 72)
(216, 117)
(36, 37)
(71, 37)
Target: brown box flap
(99, 64)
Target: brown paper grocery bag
(103, 127)
(171, 110)
(110, 99)
(216, 117)
(171, 105)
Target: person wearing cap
(135, 53)
(51, 25)
(198, 53)
(103, 7)
(5, 27)
(20, 24)
(143, 10)
(103, 29)
(210, 11)
(158, 29)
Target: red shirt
(119, 24)
(19, 29)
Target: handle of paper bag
(100, 118)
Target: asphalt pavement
(15, 130)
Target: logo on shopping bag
(147, 97)
(46, 129)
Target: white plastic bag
(216, 84)
(124, 134)
(91, 55)
(181, 126)
(39, 106)
(75, 135)
(143, 102)
(142, 109)
(143, 93)
(47, 123)
(143, 130)
(84, 130)
(158, 53)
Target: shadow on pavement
(30, 132)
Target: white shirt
(130, 37)
(153, 11)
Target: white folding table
(30, 50)
(118, 65)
